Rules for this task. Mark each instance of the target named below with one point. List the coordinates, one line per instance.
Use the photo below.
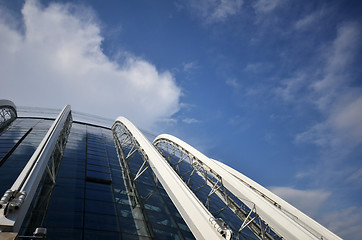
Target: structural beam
(296, 215)
(259, 198)
(16, 201)
(200, 221)
(216, 187)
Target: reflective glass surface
(89, 199)
(159, 214)
(12, 165)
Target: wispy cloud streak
(214, 11)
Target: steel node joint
(6, 197)
(12, 200)
(222, 228)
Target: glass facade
(156, 211)
(90, 199)
(99, 182)
(17, 144)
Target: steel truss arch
(283, 218)
(200, 221)
(247, 217)
(16, 201)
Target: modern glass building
(65, 178)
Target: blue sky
(271, 88)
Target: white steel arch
(16, 201)
(290, 210)
(285, 219)
(197, 217)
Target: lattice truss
(136, 169)
(208, 187)
(43, 195)
(130, 151)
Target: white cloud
(168, 121)
(232, 82)
(346, 223)
(335, 97)
(291, 87)
(190, 120)
(338, 57)
(265, 6)
(346, 117)
(309, 20)
(305, 21)
(256, 67)
(308, 201)
(356, 177)
(188, 67)
(318, 134)
(213, 11)
(58, 60)
(329, 86)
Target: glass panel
(97, 162)
(97, 168)
(124, 210)
(98, 175)
(100, 196)
(71, 173)
(64, 219)
(68, 191)
(163, 232)
(133, 237)
(100, 207)
(122, 199)
(64, 233)
(66, 204)
(100, 222)
(128, 225)
(96, 235)
(98, 186)
(159, 218)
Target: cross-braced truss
(139, 165)
(127, 148)
(17, 199)
(187, 166)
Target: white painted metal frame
(214, 181)
(22, 191)
(272, 209)
(290, 210)
(197, 217)
(124, 140)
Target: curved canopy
(275, 211)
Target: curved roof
(196, 216)
(245, 188)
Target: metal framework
(265, 214)
(281, 217)
(16, 201)
(248, 217)
(125, 142)
(201, 222)
(7, 113)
